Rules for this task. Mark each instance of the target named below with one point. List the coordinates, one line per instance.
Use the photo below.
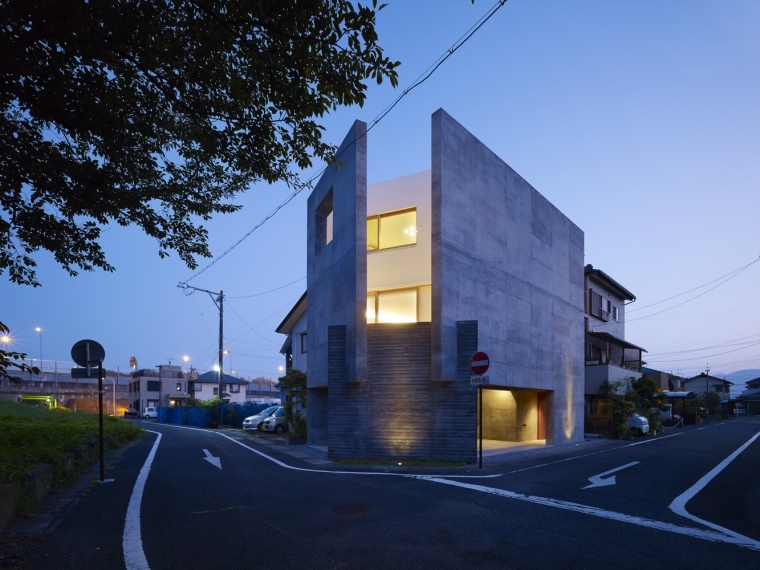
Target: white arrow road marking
(597, 481)
(211, 459)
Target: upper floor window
(154, 386)
(615, 313)
(393, 229)
(303, 343)
(234, 388)
(411, 305)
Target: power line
(695, 288)
(270, 291)
(417, 82)
(708, 356)
(696, 297)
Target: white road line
(678, 505)
(593, 511)
(594, 453)
(729, 538)
(134, 555)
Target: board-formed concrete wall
(504, 256)
(336, 274)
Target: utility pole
(219, 302)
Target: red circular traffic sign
(479, 363)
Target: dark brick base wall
(398, 412)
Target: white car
(638, 425)
(150, 413)
(254, 422)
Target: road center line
(134, 555)
(732, 538)
(594, 453)
(678, 505)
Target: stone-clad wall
(505, 256)
(398, 412)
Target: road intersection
(688, 498)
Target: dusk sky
(639, 120)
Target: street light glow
(185, 358)
(5, 339)
(38, 329)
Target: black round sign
(79, 352)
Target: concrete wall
(499, 415)
(505, 256)
(409, 265)
(336, 274)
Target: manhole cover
(352, 510)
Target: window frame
(376, 295)
(379, 218)
(304, 342)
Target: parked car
(150, 413)
(740, 411)
(638, 425)
(276, 422)
(254, 422)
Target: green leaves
(158, 113)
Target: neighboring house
(704, 383)
(665, 381)
(164, 387)
(206, 386)
(408, 278)
(751, 397)
(294, 326)
(608, 356)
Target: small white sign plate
(479, 380)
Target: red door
(541, 415)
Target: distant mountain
(739, 378)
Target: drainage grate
(352, 510)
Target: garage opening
(513, 420)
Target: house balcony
(597, 373)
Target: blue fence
(233, 414)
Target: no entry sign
(479, 363)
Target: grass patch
(384, 462)
(31, 436)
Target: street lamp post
(39, 330)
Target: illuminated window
(411, 305)
(392, 230)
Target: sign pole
(480, 426)
(100, 416)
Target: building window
(323, 219)
(234, 388)
(615, 313)
(394, 229)
(216, 391)
(154, 386)
(179, 386)
(411, 305)
(303, 342)
(197, 386)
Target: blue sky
(639, 120)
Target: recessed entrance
(513, 420)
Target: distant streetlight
(185, 358)
(225, 351)
(5, 339)
(39, 330)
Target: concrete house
(166, 386)
(408, 278)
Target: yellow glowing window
(392, 230)
(397, 307)
(371, 310)
(372, 233)
(409, 305)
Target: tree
(158, 113)
(295, 382)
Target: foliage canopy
(158, 113)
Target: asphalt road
(269, 508)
